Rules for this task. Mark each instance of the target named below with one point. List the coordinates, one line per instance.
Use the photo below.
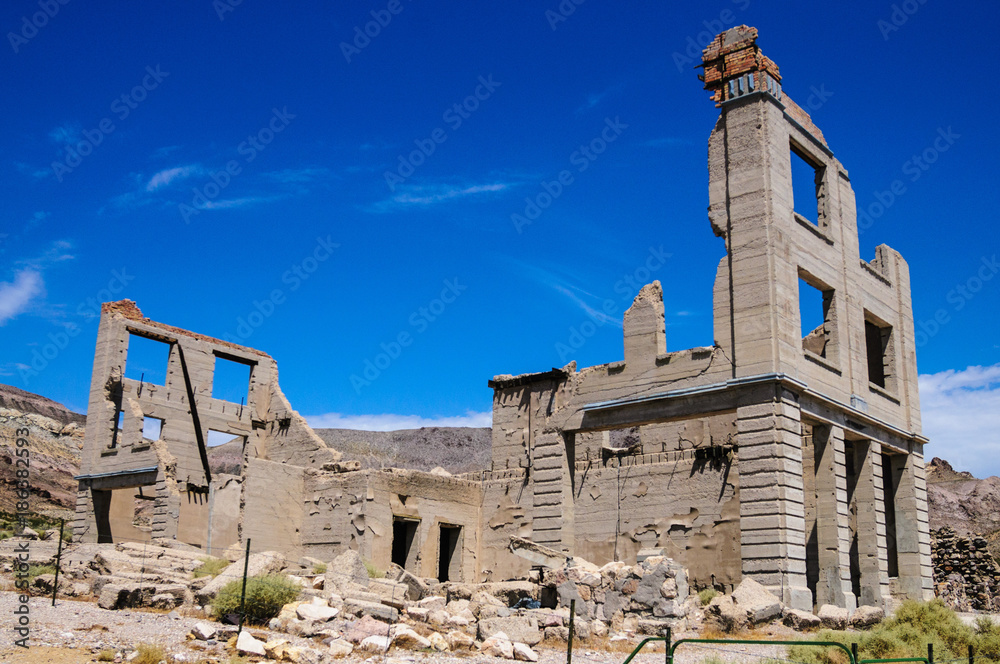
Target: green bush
(264, 599)
(707, 595)
(210, 566)
(38, 570)
(319, 568)
(907, 634)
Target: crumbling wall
(272, 515)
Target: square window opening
(879, 349)
(231, 379)
(147, 359)
(218, 438)
(816, 312)
(808, 187)
(152, 428)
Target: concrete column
(871, 526)
(549, 477)
(832, 519)
(912, 533)
(772, 523)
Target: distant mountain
(456, 449)
(55, 440)
(968, 505)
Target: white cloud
(389, 422)
(15, 296)
(429, 195)
(961, 416)
(168, 175)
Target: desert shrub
(106, 655)
(373, 572)
(707, 595)
(210, 566)
(319, 568)
(149, 653)
(264, 599)
(906, 634)
(38, 570)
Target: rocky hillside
(55, 440)
(456, 449)
(969, 506)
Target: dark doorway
(449, 554)
(890, 482)
(404, 534)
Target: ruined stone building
(787, 454)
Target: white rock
(438, 642)
(315, 612)
(341, 648)
(407, 638)
(524, 653)
(203, 631)
(247, 644)
(377, 644)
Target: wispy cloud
(166, 176)
(569, 287)
(229, 203)
(424, 196)
(32, 171)
(68, 133)
(390, 422)
(667, 141)
(36, 219)
(961, 416)
(16, 295)
(300, 175)
(595, 98)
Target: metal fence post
(569, 646)
(243, 594)
(854, 653)
(55, 584)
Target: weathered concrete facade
(790, 455)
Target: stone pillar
(832, 519)
(772, 521)
(871, 526)
(912, 530)
(549, 474)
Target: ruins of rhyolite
(789, 455)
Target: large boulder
(247, 644)
(834, 617)
(347, 567)
(797, 619)
(727, 614)
(367, 626)
(866, 616)
(517, 628)
(760, 605)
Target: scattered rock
(760, 605)
(375, 644)
(523, 653)
(797, 619)
(203, 631)
(866, 616)
(246, 643)
(833, 617)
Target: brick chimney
(734, 66)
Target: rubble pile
(966, 576)
(342, 609)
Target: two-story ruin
(785, 451)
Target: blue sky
(271, 174)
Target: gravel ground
(74, 632)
